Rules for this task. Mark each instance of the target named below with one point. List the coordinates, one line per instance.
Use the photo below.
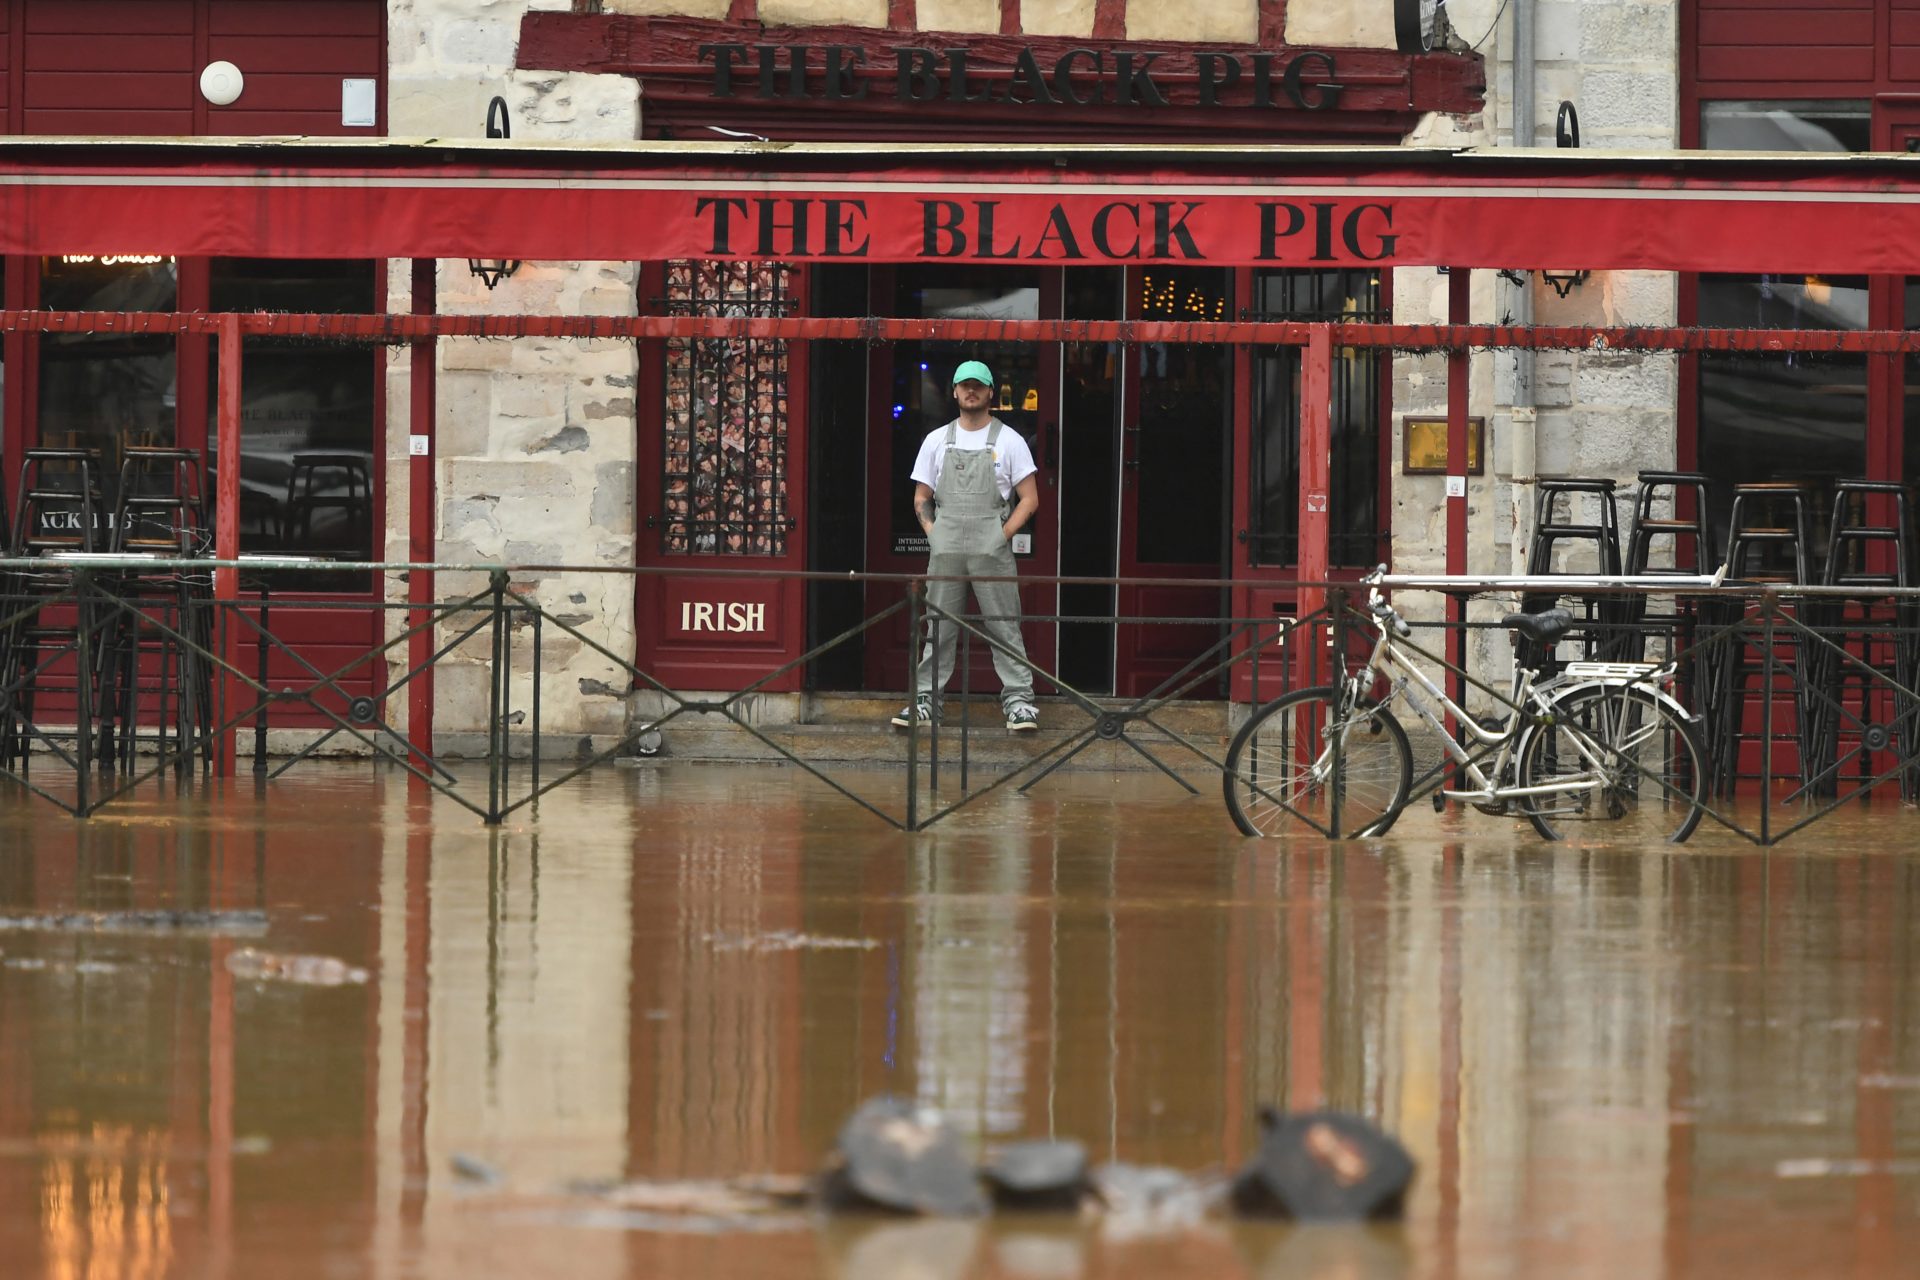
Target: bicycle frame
(1528, 700)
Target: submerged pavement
(1608, 1062)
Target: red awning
(1277, 206)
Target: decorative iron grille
(725, 448)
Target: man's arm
(923, 507)
(1028, 491)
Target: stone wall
(535, 439)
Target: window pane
(307, 425)
(1355, 498)
(1786, 126)
(1185, 421)
(1792, 416)
(108, 391)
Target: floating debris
(894, 1156)
(728, 1198)
(1038, 1176)
(1323, 1166)
(226, 923)
(1145, 1200)
(310, 971)
(787, 940)
(473, 1169)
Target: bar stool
(1876, 636)
(1692, 551)
(160, 512)
(1603, 531)
(58, 507)
(1766, 517)
(322, 482)
(1668, 485)
(1769, 520)
(1557, 519)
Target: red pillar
(226, 529)
(1459, 297)
(1316, 469)
(420, 517)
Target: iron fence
(114, 672)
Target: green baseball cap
(973, 371)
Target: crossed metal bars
(1856, 722)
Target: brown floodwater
(1607, 1061)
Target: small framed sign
(1424, 446)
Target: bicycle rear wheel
(1651, 775)
(1281, 777)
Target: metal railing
(113, 673)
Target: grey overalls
(969, 514)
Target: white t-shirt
(1012, 460)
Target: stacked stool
(1871, 544)
(1577, 510)
(160, 511)
(1769, 541)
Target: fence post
(913, 701)
(83, 689)
(497, 701)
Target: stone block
(824, 13)
(1556, 34)
(613, 497)
(715, 9)
(1625, 379)
(476, 44)
(1641, 100)
(1359, 24)
(461, 693)
(958, 15)
(1056, 17)
(524, 396)
(1628, 33)
(1228, 21)
(475, 353)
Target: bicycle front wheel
(1284, 775)
(1631, 766)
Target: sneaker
(1022, 718)
(919, 711)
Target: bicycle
(1598, 742)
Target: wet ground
(1608, 1062)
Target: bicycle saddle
(1544, 628)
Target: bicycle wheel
(1650, 778)
(1280, 776)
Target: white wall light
(221, 83)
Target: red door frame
(755, 623)
(887, 646)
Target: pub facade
(1171, 464)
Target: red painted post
(226, 530)
(420, 518)
(1316, 469)
(1459, 299)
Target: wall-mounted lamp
(1564, 282)
(493, 270)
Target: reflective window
(106, 391)
(1793, 416)
(1178, 453)
(1354, 500)
(307, 427)
(1786, 126)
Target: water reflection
(1605, 1061)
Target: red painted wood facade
(130, 68)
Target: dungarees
(968, 517)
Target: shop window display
(725, 464)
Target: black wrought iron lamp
(1564, 282)
(493, 270)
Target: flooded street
(1607, 1062)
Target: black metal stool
(1870, 544)
(159, 512)
(1658, 515)
(1557, 519)
(1769, 540)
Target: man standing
(964, 483)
